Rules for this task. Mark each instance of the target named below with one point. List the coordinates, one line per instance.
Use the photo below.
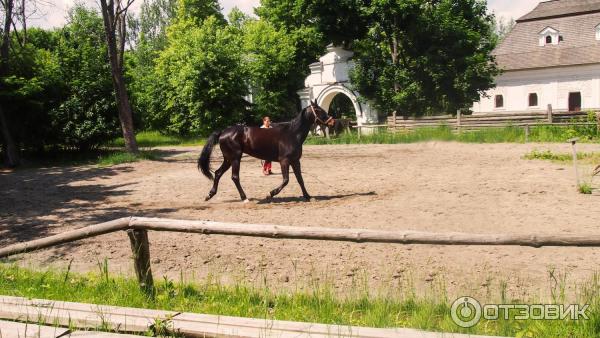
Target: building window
(575, 101)
(533, 100)
(598, 32)
(549, 36)
(499, 101)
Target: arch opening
(341, 107)
(339, 98)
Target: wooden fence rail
(462, 122)
(137, 228)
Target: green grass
(585, 188)
(506, 134)
(550, 156)
(381, 136)
(585, 158)
(156, 139)
(120, 157)
(398, 308)
(441, 133)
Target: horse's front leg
(298, 172)
(235, 176)
(285, 172)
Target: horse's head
(320, 115)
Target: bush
(59, 92)
(87, 115)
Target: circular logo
(466, 312)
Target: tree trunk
(4, 47)
(125, 112)
(123, 104)
(395, 51)
(11, 153)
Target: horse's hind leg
(285, 172)
(298, 172)
(235, 176)
(218, 173)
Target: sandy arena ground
(432, 186)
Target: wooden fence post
(141, 259)
(394, 120)
(458, 116)
(526, 132)
(359, 128)
(549, 113)
(574, 148)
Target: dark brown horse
(282, 143)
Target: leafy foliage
(149, 35)
(190, 71)
(87, 114)
(293, 18)
(59, 92)
(425, 57)
(416, 57)
(200, 86)
(268, 56)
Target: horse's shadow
(280, 200)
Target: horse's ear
(313, 103)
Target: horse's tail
(204, 159)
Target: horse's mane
(296, 122)
(293, 123)
(281, 124)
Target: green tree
(87, 113)
(150, 27)
(114, 17)
(200, 79)
(149, 33)
(503, 27)
(268, 56)
(425, 57)
(29, 90)
(413, 56)
(292, 18)
(199, 10)
(59, 92)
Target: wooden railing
(462, 122)
(137, 228)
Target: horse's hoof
(312, 199)
(246, 201)
(207, 198)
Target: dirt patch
(427, 186)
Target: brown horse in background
(282, 143)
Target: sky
(54, 12)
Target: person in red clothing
(267, 164)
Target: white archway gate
(330, 77)
(326, 97)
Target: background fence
(460, 122)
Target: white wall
(552, 85)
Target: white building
(552, 56)
(330, 77)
